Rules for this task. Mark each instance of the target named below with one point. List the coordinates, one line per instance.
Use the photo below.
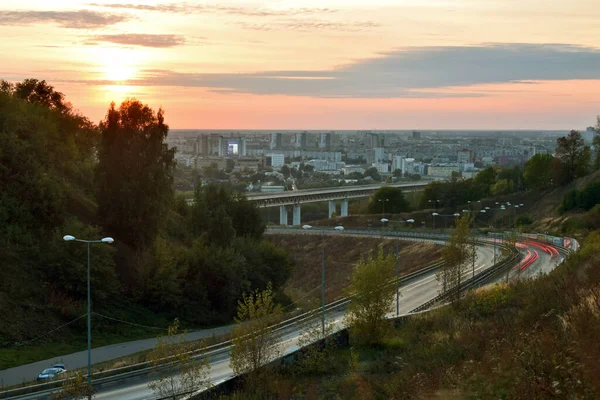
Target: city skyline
(340, 65)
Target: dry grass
(341, 254)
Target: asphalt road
(413, 294)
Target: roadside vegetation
(342, 253)
(62, 174)
(528, 339)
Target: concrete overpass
(296, 198)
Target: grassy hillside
(341, 255)
(533, 339)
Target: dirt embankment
(341, 255)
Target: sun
(119, 73)
(118, 65)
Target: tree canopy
(134, 173)
(572, 156)
(390, 198)
(538, 171)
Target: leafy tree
(191, 372)
(255, 343)
(503, 186)
(456, 256)
(373, 173)
(135, 173)
(230, 165)
(355, 175)
(434, 191)
(285, 170)
(66, 263)
(373, 298)
(572, 157)
(266, 262)
(483, 182)
(38, 92)
(215, 278)
(161, 276)
(538, 171)
(584, 199)
(392, 197)
(74, 388)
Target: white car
(52, 372)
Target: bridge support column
(331, 208)
(344, 211)
(283, 219)
(296, 215)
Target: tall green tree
(538, 171)
(134, 173)
(392, 197)
(572, 157)
(483, 181)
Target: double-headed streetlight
(383, 201)
(444, 215)
(494, 232)
(337, 228)
(434, 202)
(108, 240)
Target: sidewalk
(29, 372)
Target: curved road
(413, 294)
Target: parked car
(52, 372)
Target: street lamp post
(435, 203)
(383, 221)
(382, 201)
(337, 228)
(108, 240)
(434, 215)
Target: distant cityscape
(348, 157)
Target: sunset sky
(308, 64)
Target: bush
(524, 220)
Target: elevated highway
(296, 198)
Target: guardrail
(139, 369)
(122, 373)
(473, 282)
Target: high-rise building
(372, 140)
(588, 136)
(242, 147)
(301, 140)
(274, 160)
(276, 141)
(325, 141)
(376, 155)
(397, 162)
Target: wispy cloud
(139, 39)
(186, 8)
(304, 25)
(413, 72)
(82, 19)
